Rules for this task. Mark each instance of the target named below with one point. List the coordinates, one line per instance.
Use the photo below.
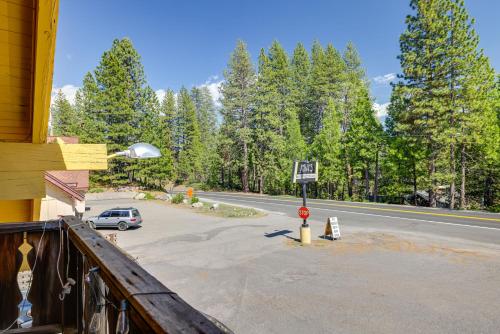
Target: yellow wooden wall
(17, 29)
(27, 44)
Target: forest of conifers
(438, 146)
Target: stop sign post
(303, 213)
(304, 172)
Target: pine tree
(268, 128)
(168, 119)
(65, 120)
(318, 91)
(207, 120)
(422, 59)
(300, 68)
(327, 149)
(237, 101)
(87, 106)
(120, 79)
(154, 172)
(442, 66)
(363, 139)
(470, 92)
(404, 166)
(190, 148)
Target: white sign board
(332, 228)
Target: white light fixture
(139, 151)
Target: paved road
(383, 276)
(470, 225)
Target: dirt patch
(372, 242)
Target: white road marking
(372, 214)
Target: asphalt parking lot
(251, 274)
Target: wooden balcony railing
(61, 276)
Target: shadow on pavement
(280, 233)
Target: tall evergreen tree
(94, 126)
(237, 101)
(207, 120)
(441, 66)
(422, 59)
(168, 119)
(318, 91)
(65, 121)
(154, 172)
(120, 80)
(190, 148)
(300, 68)
(327, 149)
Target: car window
(115, 213)
(135, 213)
(105, 214)
(124, 214)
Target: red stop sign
(303, 212)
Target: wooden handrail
(158, 308)
(50, 225)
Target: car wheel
(122, 226)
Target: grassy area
(149, 196)
(230, 211)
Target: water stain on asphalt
(372, 242)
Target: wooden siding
(17, 28)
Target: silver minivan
(123, 218)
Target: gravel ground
(251, 274)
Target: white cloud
(386, 78)
(213, 78)
(68, 90)
(381, 109)
(213, 85)
(160, 94)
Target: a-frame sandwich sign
(332, 228)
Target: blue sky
(188, 42)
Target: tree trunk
(367, 181)
(488, 190)
(452, 126)
(244, 171)
(261, 184)
(253, 177)
(349, 180)
(452, 172)
(462, 177)
(222, 176)
(377, 174)
(415, 183)
(432, 177)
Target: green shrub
(178, 198)
(194, 199)
(494, 208)
(96, 190)
(149, 196)
(195, 185)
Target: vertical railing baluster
(10, 261)
(45, 286)
(71, 305)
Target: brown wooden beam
(7, 228)
(45, 329)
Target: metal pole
(304, 202)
